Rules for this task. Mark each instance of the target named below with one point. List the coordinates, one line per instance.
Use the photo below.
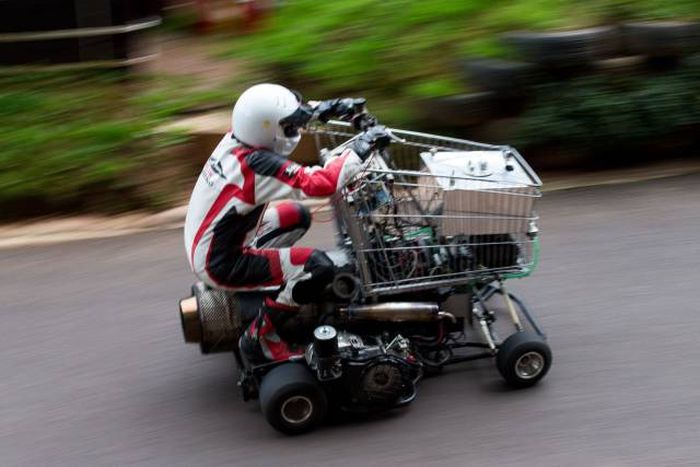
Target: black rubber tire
(662, 38)
(292, 380)
(565, 48)
(504, 77)
(515, 347)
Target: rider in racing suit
(234, 240)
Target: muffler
(212, 318)
(394, 312)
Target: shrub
(616, 115)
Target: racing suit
(234, 241)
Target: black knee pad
(322, 272)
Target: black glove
(343, 109)
(374, 138)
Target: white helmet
(269, 116)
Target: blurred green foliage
(613, 115)
(404, 49)
(67, 136)
(70, 137)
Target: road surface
(94, 371)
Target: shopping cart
(434, 212)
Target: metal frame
(479, 310)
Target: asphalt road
(93, 369)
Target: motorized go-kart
(427, 235)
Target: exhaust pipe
(394, 312)
(211, 318)
(189, 318)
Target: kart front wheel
(292, 400)
(523, 359)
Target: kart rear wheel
(292, 400)
(523, 359)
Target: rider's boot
(261, 343)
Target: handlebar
(363, 122)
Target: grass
(74, 141)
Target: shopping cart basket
(435, 212)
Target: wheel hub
(529, 365)
(297, 409)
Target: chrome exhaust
(394, 312)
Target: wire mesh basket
(437, 212)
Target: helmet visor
(298, 119)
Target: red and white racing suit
(234, 242)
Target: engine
(367, 371)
